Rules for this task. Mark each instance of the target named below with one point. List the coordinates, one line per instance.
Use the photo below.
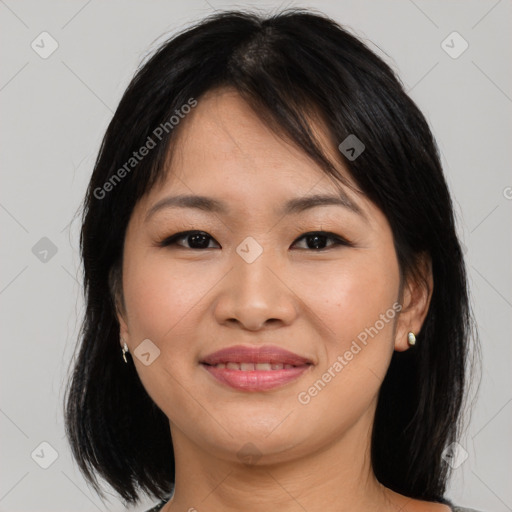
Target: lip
(256, 380)
(252, 354)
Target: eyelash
(338, 240)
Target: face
(309, 321)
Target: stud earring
(411, 338)
(124, 350)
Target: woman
(277, 312)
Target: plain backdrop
(55, 108)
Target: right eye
(195, 239)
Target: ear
(415, 297)
(123, 328)
(116, 293)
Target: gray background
(54, 113)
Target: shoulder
(442, 504)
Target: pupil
(203, 241)
(316, 242)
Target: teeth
(253, 366)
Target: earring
(411, 338)
(124, 350)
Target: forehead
(224, 144)
(225, 137)
(224, 151)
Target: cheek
(161, 300)
(160, 296)
(359, 307)
(350, 296)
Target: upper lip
(255, 354)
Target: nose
(256, 296)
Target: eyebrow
(293, 206)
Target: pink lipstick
(251, 368)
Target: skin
(190, 302)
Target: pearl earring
(411, 338)
(124, 350)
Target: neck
(335, 477)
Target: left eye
(318, 240)
(199, 239)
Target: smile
(253, 368)
(255, 379)
(247, 367)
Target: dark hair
(287, 66)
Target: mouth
(250, 368)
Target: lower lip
(256, 380)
